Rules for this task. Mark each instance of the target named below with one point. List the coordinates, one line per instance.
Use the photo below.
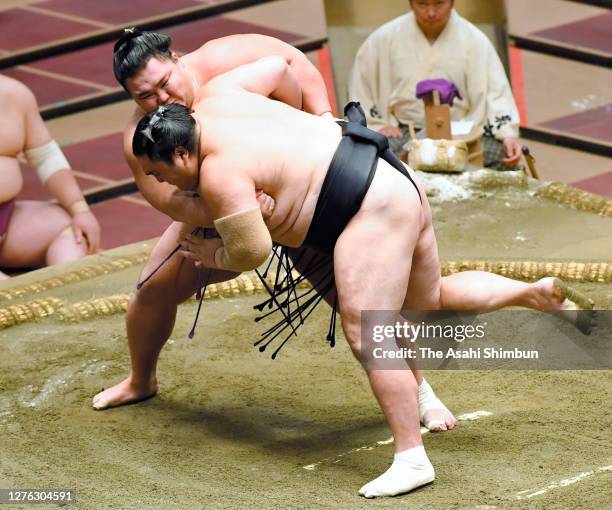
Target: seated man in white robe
(431, 42)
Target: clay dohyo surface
(231, 428)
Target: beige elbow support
(246, 241)
(47, 159)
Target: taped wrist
(47, 159)
(246, 241)
(80, 206)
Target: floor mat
(49, 90)
(117, 12)
(94, 65)
(21, 29)
(595, 124)
(125, 222)
(600, 184)
(102, 157)
(593, 33)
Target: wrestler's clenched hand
(201, 251)
(266, 204)
(86, 228)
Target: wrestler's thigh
(33, 227)
(372, 261)
(178, 278)
(425, 278)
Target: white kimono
(397, 56)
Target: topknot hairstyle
(161, 131)
(134, 49)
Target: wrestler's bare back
(287, 153)
(283, 151)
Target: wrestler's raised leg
(151, 315)
(481, 291)
(37, 236)
(381, 235)
(470, 291)
(478, 290)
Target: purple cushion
(448, 91)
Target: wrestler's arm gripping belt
(246, 241)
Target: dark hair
(160, 132)
(135, 48)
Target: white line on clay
(464, 417)
(530, 493)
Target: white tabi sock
(428, 401)
(410, 469)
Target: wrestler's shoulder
(133, 121)
(212, 51)
(16, 93)
(238, 48)
(128, 132)
(213, 174)
(231, 41)
(9, 85)
(211, 101)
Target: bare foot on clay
(555, 295)
(124, 393)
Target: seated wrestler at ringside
(38, 233)
(154, 75)
(337, 189)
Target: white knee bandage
(47, 159)
(246, 241)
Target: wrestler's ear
(182, 154)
